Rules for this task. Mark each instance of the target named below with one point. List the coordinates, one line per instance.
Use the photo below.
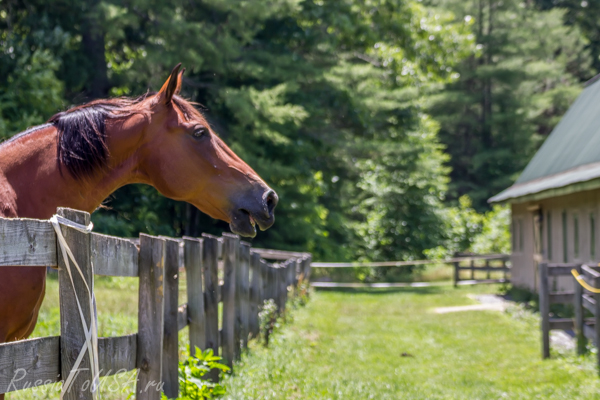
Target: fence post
(210, 250)
(456, 273)
(255, 286)
(578, 305)
(504, 267)
(472, 270)
(192, 255)
(242, 298)
(296, 272)
(284, 282)
(545, 309)
(597, 317)
(487, 266)
(264, 289)
(170, 370)
(290, 275)
(277, 288)
(72, 331)
(308, 268)
(231, 246)
(150, 317)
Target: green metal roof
(569, 159)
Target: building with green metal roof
(556, 200)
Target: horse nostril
(272, 200)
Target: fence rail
(248, 280)
(493, 263)
(583, 302)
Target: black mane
(82, 139)
(82, 147)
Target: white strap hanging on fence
(91, 333)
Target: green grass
(117, 300)
(349, 345)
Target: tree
(511, 92)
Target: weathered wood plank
(491, 257)
(596, 283)
(578, 308)
(588, 302)
(113, 256)
(243, 298)
(150, 317)
(561, 298)
(29, 363)
(170, 361)
(590, 332)
(589, 272)
(212, 292)
(264, 277)
(544, 292)
(484, 269)
(27, 242)
(309, 264)
(75, 287)
(117, 354)
(561, 270)
(561, 323)
(559, 266)
(192, 251)
(255, 288)
(231, 245)
(283, 255)
(183, 318)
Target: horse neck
(33, 184)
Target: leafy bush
(469, 231)
(193, 380)
(267, 318)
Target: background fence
(218, 270)
(493, 265)
(586, 305)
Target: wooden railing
(495, 263)
(583, 302)
(490, 263)
(248, 280)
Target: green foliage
(512, 90)
(494, 237)
(323, 99)
(370, 119)
(267, 319)
(468, 231)
(193, 380)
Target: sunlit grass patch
(389, 345)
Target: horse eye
(198, 133)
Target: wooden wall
(578, 207)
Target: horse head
(185, 160)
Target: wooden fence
(492, 264)
(583, 302)
(247, 281)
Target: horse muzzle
(252, 211)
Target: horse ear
(179, 81)
(171, 86)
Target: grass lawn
(349, 345)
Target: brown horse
(84, 154)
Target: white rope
(91, 333)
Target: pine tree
(510, 94)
